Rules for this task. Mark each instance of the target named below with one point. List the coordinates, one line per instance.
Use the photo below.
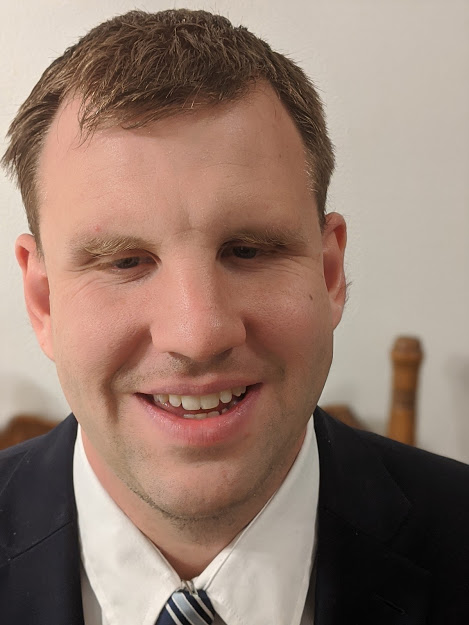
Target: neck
(189, 544)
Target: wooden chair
(406, 359)
(23, 427)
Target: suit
(393, 532)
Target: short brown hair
(140, 67)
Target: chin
(195, 494)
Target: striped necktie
(187, 608)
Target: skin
(207, 300)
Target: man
(184, 277)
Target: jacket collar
(361, 510)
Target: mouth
(198, 407)
(219, 420)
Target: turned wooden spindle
(406, 357)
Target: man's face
(185, 259)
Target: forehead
(247, 149)
(260, 108)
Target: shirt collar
(262, 576)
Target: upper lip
(196, 389)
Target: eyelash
(241, 252)
(143, 260)
(258, 250)
(245, 248)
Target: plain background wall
(394, 78)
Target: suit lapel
(359, 578)
(39, 552)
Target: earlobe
(334, 239)
(36, 290)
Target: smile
(199, 406)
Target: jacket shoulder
(421, 473)
(37, 452)
(12, 457)
(411, 502)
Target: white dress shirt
(261, 577)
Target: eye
(131, 262)
(243, 251)
(127, 263)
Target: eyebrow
(85, 247)
(98, 246)
(270, 236)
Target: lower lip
(226, 428)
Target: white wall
(394, 78)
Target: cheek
(91, 337)
(295, 320)
(303, 343)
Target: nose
(200, 314)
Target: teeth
(209, 401)
(202, 415)
(226, 396)
(175, 400)
(195, 402)
(190, 402)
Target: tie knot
(187, 608)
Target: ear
(36, 290)
(334, 239)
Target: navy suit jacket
(393, 532)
